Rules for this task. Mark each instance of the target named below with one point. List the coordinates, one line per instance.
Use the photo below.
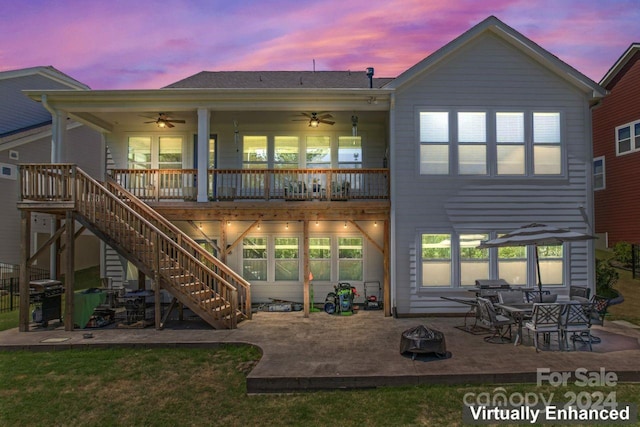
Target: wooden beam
(69, 281)
(156, 281)
(25, 249)
(242, 236)
(386, 262)
(204, 236)
(366, 235)
(75, 236)
(223, 241)
(46, 244)
(305, 267)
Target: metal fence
(10, 284)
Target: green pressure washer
(340, 301)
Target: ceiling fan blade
(175, 121)
(328, 122)
(325, 116)
(152, 121)
(168, 123)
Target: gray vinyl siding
(485, 75)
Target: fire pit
(423, 340)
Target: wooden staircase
(154, 245)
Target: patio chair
(533, 295)
(547, 298)
(576, 321)
(510, 297)
(579, 291)
(545, 319)
(499, 324)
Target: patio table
(519, 313)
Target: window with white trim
(254, 152)
(510, 148)
(474, 262)
(547, 154)
(318, 152)
(551, 264)
(434, 143)
(286, 152)
(320, 258)
(254, 258)
(628, 138)
(350, 258)
(472, 143)
(349, 152)
(512, 264)
(435, 250)
(598, 173)
(287, 258)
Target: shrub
(622, 253)
(606, 277)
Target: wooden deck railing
(257, 184)
(147, 237)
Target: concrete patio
(359, 351)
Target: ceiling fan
(315, 119)
(164, 120)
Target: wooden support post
(305, 263)
(69, 281)
(56, 273)
(156, 281)
(25, 250)
(223, 241)
(386, 262)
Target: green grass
(171, 387)
(629, 287)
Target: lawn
(171, 387)
(629, 287)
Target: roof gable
(622, 65)
(279, 80)
(19, 113)
(494, 26)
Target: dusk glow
(122, 44)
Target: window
(350, 257)
(139, 154)
(318, 154)
(546, 144)
(286, 254)
(254, 262)
(254, 152)
(598, 173)
(512, 264)
(286, 152)
(434, 143)
(510, 143)
(628, 138)
(349, 152)
(474, 262)
(472, 143)
(436, 259)
(320, 258)
(170, 153)
(551, 264)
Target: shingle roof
(279, 80)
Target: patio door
(211, 164)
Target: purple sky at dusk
(142, 44)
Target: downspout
(392, 192)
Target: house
(278, 185)
(616, 151)
(25, 137)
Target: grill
(47, 296)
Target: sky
(143, 44)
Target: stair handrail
(182, 237)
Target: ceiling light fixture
(287, 226)
(314, 122)
(345, 224)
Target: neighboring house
(25, 137)
(616, 152)
(358, 179)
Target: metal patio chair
(576, 321)
(499, 324)
(545, 319)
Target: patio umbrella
(536, 235)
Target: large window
(551, 265)
(546, 144)
(598, 173)
(286, 253)
(512, 264)
(521, 143)
(510, 143)
(170, 153)
(318, 155)
(320, 258)
(434, 143)
(254, 262)
(139, 154)
(472, 143)
(254, 152)
(628, 138)
(349, 152)
(286, 152)
(350, 257)
(474, 262)
(436, 259)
